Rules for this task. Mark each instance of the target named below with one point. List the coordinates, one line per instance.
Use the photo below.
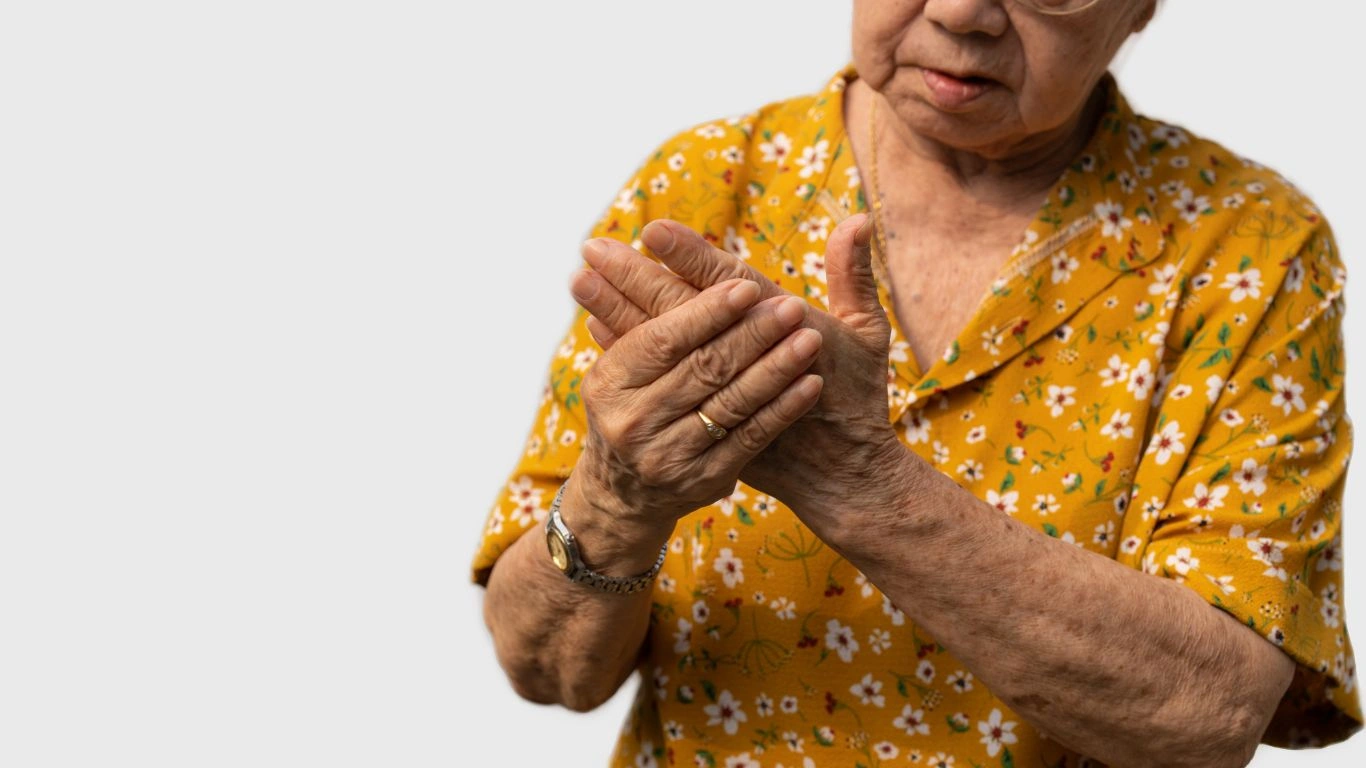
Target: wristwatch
(564, 553)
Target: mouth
(954, 91)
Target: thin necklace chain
(879, 243)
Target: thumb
(849, 274)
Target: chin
(978, 130)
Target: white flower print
(1189, 206)
(763, 705)
(840, 639)
(959, 681)
(1045, 504)
(1167, 442)
(626, 198)
(776, 150)
(585, 359)
(912, 721)
(1173, 136)
(1162, 280)
(917, 427)
(1182, 562)
(1141, 380)
(1205, 499)
(1251, 478)
(735, 244)
(731, 568)
(1285, 394)
(813, 158)
(1004, 502)
(816, 228)
(1223, 583)
(1114, 372)
(1059, 398)
(711, 131)
(813, 264)
(1112, 219)
(976, 435)
(868, 690)
(1330, 558)
(995, 732)
(879, 641)
(1063, 267)
(1118, 426)
(784, 608)
(742, 760)
(898, 618)
(726, 712)
(683, 637)
(1243, 285)
(645, 758)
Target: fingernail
(790, 310)
(594, 248)
(806, 342)
(743, 295)
(583, 286)
(864, 235)
(659, 239)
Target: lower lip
(950, 92)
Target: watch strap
(580, 573)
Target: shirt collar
(1097, 223)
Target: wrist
(612, 540)
(878, 491)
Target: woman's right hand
(648, 459)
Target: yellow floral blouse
(1156, 376)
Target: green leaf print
(743, 515)
(709, 689)
(1223, 472)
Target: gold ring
(714, 430)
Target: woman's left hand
(837, 452)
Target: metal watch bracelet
(564, 553)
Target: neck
(1017, 176)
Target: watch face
(558, 553)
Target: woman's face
(988, 76)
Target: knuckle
(709, 367)
(728, 406)
(661, 342)
(751, 436)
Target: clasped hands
(801, 391)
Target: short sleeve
(556, 438)
(1253, 523)
(693, 177)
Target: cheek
(879, 28)
(1058, 79)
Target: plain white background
(278, 281)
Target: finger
(644, 281)
(764, 380)
(600, 333)
(604, 302)
(654, 348)
(689, 255)
(742, 443)
(849, 274)
(713, 365)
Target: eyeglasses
(1057, 7)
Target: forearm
(566, 643)
(1116, 664)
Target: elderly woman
(961, 415)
